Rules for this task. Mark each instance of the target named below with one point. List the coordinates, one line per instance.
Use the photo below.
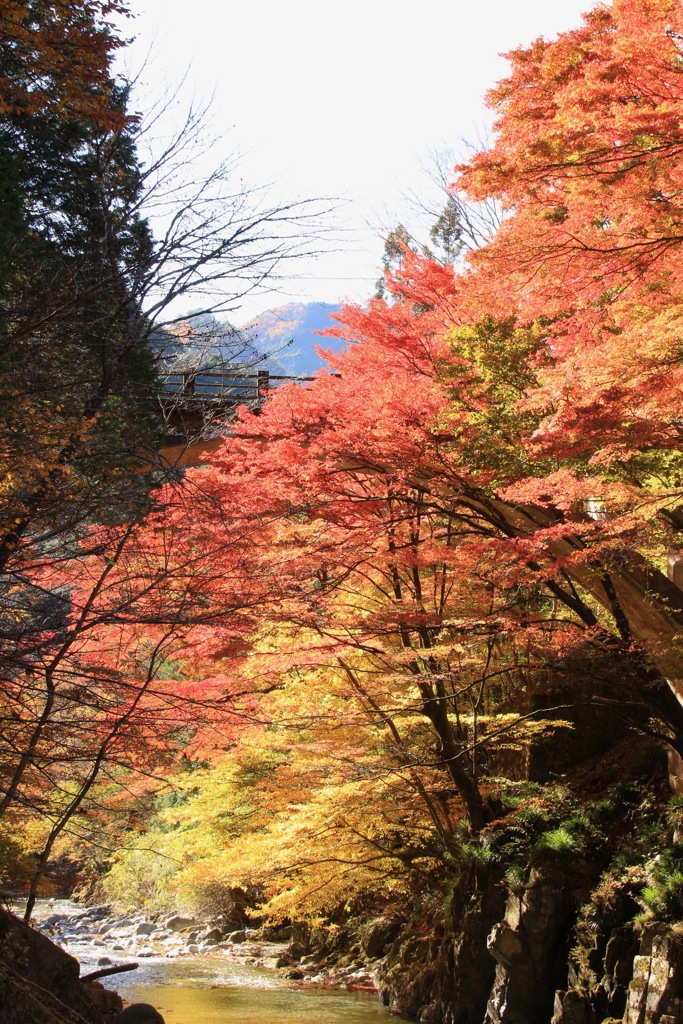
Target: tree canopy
(386, 586)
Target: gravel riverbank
(100, 938)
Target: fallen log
(104, 972)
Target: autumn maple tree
(101, 698)
(483, 499)
(386, 585)
(585, 161)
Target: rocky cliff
(569, 911)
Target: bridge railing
(235, 387)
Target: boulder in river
(55, 919)
(39, 982)
(177, 923)
(138, 1013)
(103, 998)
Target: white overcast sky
(338, 99)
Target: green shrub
(560, 841)
(663, 897)
(516, 877)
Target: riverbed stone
(236, 938)
(178, 923)
(79, 915)
(211, 938)
(145, 928)
(53, 920)
(123, 922)
(100, 911)
(138, 1013)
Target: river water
(207, 990)
(215, 990)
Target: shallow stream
(207, 990)
(215, 990)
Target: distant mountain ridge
(282, 340)
(285, 337)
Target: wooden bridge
(198, 403)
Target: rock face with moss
(568, 911)
(656, 990)
(629, 971)
(529, 947)
(438, 969)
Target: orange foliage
(55, 58)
